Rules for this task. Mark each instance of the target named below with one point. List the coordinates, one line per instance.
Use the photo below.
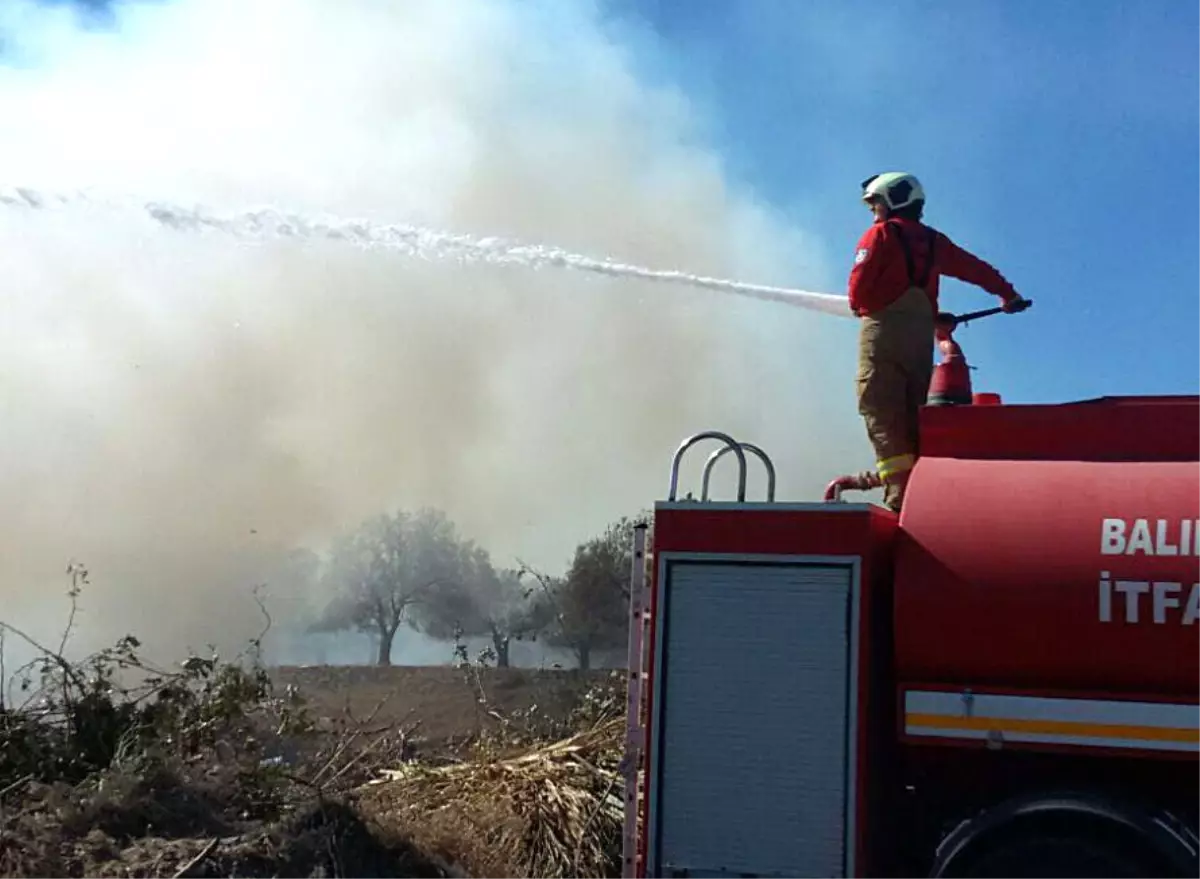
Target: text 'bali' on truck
(1000, 681)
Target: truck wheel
(1060, 854)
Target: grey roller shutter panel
(754, 714)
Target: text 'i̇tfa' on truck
(1000, 681)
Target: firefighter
(894, 292)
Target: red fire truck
(1000, 681)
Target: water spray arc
(415, 241)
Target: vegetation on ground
(111, 765)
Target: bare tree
(387, 568)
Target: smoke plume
(180, 408)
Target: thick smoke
(181, 408)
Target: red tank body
(1003, 680)
(1053, 548)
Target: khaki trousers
(895, 366)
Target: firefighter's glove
(943, 325)
(1017, 304)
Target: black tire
(1059, 854)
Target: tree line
(415, 569)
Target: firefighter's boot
(893, 491)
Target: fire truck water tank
(1067, 576)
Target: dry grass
(113, 767)
(172, 825)
(533, 792)
(552, 810)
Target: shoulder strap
(908, 258)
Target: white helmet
(897, 189)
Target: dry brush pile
(112, 766)
(538, 797)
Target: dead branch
(194, 862)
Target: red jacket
(881, 273)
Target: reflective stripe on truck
(1158, 726)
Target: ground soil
(444, 702)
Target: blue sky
(1059, 141)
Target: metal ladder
(635, 704)
(633, 763)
